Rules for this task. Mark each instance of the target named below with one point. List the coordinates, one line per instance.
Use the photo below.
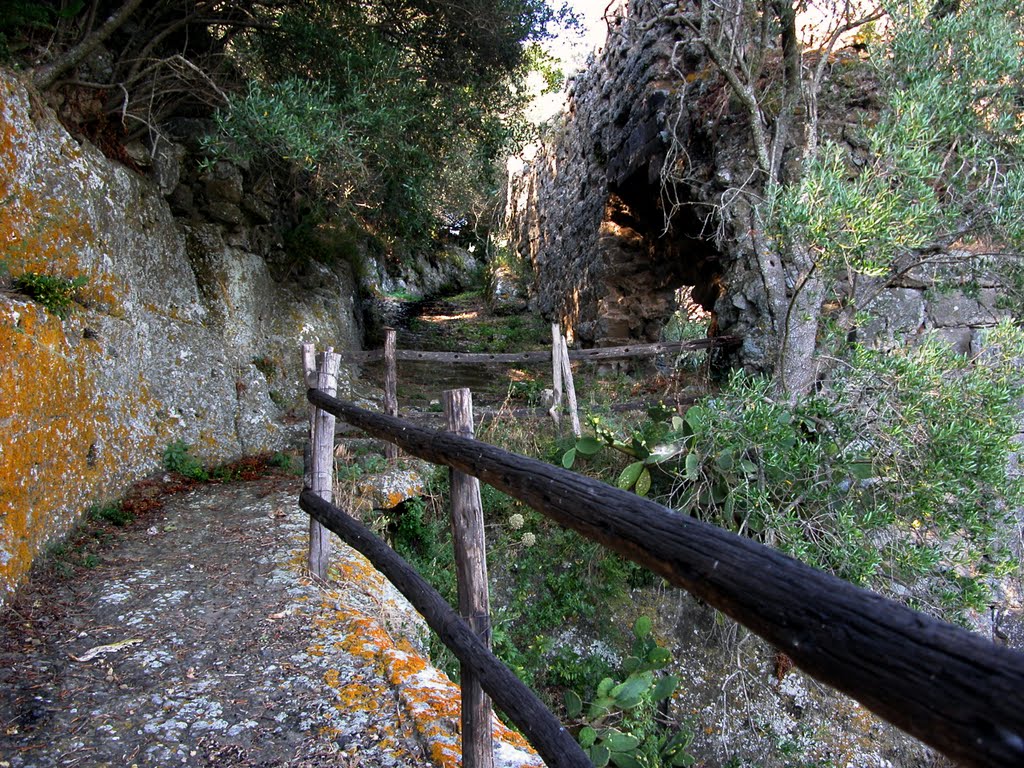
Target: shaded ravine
(217, 649)
(459, 324)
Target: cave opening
(655, 279)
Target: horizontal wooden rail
(650, 350)
(949, 688)
(553, 742)
(599, 353)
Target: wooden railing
(560, 358)
(950, 688)
(590, 355)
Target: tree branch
(48, 74)
(744, 92)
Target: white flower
(529, 539)
(516, 522)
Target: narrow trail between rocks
(197, 638)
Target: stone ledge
(366, 617)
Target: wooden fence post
(390, 385)
(471, 571)
(570, 387)
(556, 373)
(321, 372)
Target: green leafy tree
(392, 109)
(945, 153)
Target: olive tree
(393, 108)
(945, 152)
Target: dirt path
(193, 636)
(222, 655)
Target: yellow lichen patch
(431, 702)
(66, 441)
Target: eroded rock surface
(185, 330)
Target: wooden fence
(560, 357)
(950, 688)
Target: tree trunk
(797, 367)
(794, 293)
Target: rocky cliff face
(636, 192)
(184, 330)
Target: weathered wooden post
(321, 372)
(471, 570)
(556, 372)
(570, 387)
(390, 385)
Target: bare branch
(743, 91)
(48, 74)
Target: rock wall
(587, 212)
(650, 129)
(181, 333)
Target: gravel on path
(197, 638)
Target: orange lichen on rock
(57, 451)
(430, 699)
(386, 490)
(61, 448)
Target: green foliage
(947, 150)
(111, 513)
(293, 121)
(178, 458)
(55, 293)
(684, 325)
(547, 574)
(894, 477)
(620, 726)
(391, 111)
(396, 112)
(527, 392)
(285, 461)
(547, 66)
(21, 15)
(861, 222)
(645, 444)
(364, 465)
(513, 333)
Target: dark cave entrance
(649, 274)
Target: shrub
(113, 513)
(294, 121)
(178, 458)
(621, 726)
(53, 292)
(893, 477)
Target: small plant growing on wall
(178, 458)
(55, 293)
